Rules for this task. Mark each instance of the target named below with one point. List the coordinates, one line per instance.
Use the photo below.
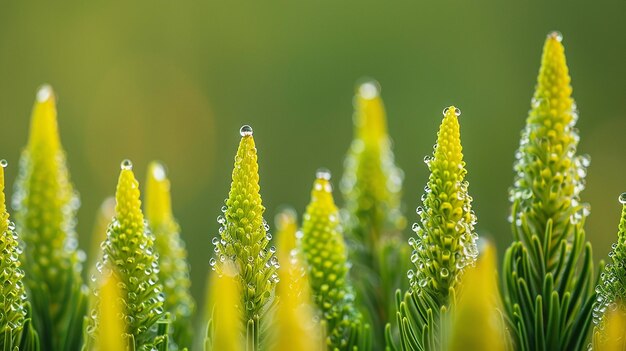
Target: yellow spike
(127, 203)
(111, 329)
(370, 118)
(615, 330)
(553, 92)
(44, 130)
(158, 199)
(294, 317)
(478, 324)
(226, 299)
(449, 138)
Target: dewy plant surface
(339, 280)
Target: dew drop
(158, 172)
(444, 272)
(322, 173)
(556, 35)
(245, 130)
(126, 165)
(3, 163)
(369, 90)
(457, 111)
(44, 93)
(622, 198)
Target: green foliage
(244, 239)
(548, 273)
(611, 290)
(45, 205)
(174, 270)
(140, 287)
(444, 244)
(372, 185)
(324, 250)
(129, 255)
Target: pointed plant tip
(323, 173)
(555, 35)
(369, 89)
(126, 165)
(158, 171)
(622, 198)
(45, 93)
(451, 109)
(246, 130)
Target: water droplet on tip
(158, 172)
(369, 90)
(245, 130)
(622, 198)
(44, 93)
(556, 35)
(322, 173)
(457, 111)
(3, 163)
(126, 165)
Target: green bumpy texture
(548, 283)
(244, 240)
(371, 186)
(174, 269)
(324, 250)
(129, 254)
(443, 246)
(13, 304)
(611, 290)
(45, 206)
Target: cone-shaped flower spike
(371, 186)
(129, 255)
(45, 204)
(611, 290)
(323, 247)
(478, 307)
(112, 325)
(13, 302)
(224, 330)
(549, 266)
(174, 270)
(244, 239)
(443, 245)
(612, 336)
(294, 318)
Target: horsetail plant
(611, 290)
(244, 239)
(443, 246)
(129, 255)
(324, 250)
(45, 205)
(174, 270)
(371, 186)
(548, 270)
(16, 332)
(295, 329)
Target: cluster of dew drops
(467, 240)
(577, 174)
(612, 283)
(9, 276)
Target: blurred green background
(174, 80)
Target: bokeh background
(174, 81)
